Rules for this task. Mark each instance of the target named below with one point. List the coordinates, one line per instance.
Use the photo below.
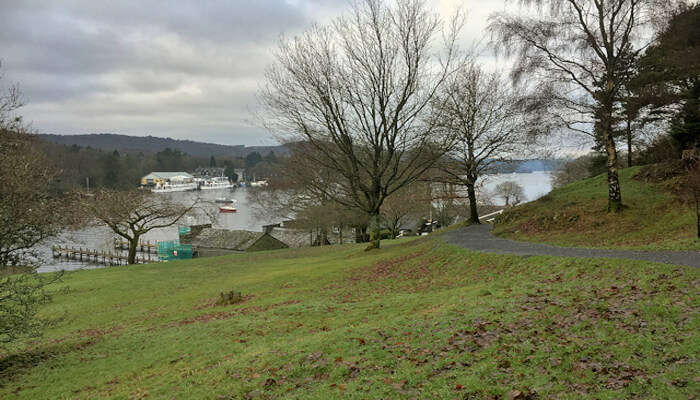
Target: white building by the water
(161, 182)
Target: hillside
(576, 215)
(416, 319)
(150, 144)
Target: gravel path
(479, 237)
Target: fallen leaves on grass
(204, 318)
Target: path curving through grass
(480, 238)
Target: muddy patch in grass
(413, 272)
(204, 318)
(214, 302)
(393, 268)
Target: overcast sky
(182, 69)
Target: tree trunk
(395, 226)
(360, 234)
(473, 212)
(375, 233)
(324, 236)
(614, 197)
(133, 245)
(697, 210)
(340, 235)
(629, 144)
(604, 126)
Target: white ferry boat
(219, 182)
(174, 187)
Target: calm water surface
(535, 185)
(101, 238)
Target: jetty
(100, 257)
(143, 246)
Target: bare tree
(29, 214)
(300, 191)
(631, 108)
(485, 114)
(581, 53)
(445, 202)
(10, 101)
(408, 202)
(511, 192)
(360, 91)
(691, 188)
(131, 214)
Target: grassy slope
(576, 215)
(418, 318)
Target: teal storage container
(168, 251)
(165, 250)
(183, 252)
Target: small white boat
(227, 209)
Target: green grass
(576, 215)
(416, 319)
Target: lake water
(101, 238)
(535, 185)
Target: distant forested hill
(150, 144)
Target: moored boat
(176, 187)
(227, 209)
(215, 183)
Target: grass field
(576, 215)
(416, 319)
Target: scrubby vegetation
(416, 319)
(655, 216)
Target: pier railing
(100, 257)
(144, 246)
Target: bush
(583, 167)
(229, 298)
(661, 149)
(22, 296)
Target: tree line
(84, 167)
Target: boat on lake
(223, 200)
(219, 182)
(174, 187)
(227, 209)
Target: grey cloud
(186, 69)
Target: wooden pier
(100, 257)
(143, 247)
